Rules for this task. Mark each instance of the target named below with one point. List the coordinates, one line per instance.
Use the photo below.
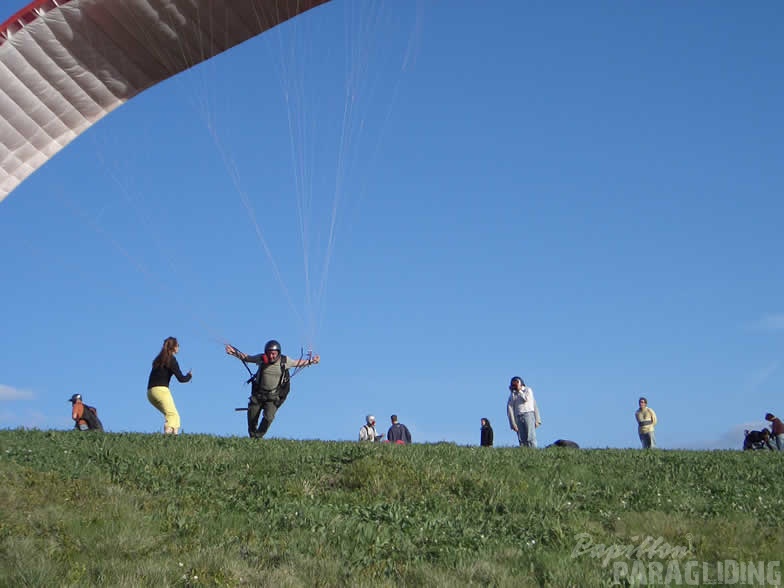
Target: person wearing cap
(646, 423)
(270, 385)
(368, 431)
(523, 412)
(85, 417)
(164, 366)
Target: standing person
(486, 434)
(646, 422)
(270, 385)
(368, 431)
(85, 417)
(777, 430)
(398, 432)
(523, 412)
(164, 366)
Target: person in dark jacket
(164, 366)
(85, 417)
(486, 435)
(398, 432)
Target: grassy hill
(87, 509)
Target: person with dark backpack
(85, 417)
(270, 385)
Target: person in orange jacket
(85, 417)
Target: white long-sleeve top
(520, 402)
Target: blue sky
(584, 194)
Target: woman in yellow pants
(164, 366)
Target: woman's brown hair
(167, 352)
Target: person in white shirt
(646, 423)
(523, 412)
(368, 431)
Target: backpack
(90, 416)
(281, 391)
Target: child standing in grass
(486, 434)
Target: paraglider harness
(279, 394)
(371, 434)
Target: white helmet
(370, 419)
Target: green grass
(84, 509)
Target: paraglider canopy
(68, 63)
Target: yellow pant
(161, 398)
